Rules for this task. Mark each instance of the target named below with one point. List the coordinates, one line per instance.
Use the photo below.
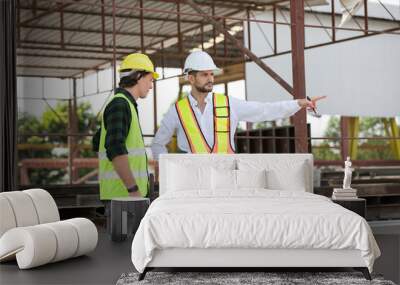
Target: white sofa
(31, 231)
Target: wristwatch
(132, 189)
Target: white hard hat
(199, 61)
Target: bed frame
(242, 259)
(245, 258)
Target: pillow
(223, 179)
(251, 178)
(291, 178)
(183, 177)
(281, 173)
(193, 174)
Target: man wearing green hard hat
(119, 141)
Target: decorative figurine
(345, 193)
(347, 174)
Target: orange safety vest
(194, 135)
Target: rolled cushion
(67, 240)
(45, 205)
(26, 208)
(37, 245)
(7, 218)
(33, 246)
(23, 208)
(87, 235)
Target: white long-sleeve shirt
(241, 110)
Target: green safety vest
(111, 185)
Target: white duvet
(253, 218)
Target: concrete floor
(110, 259)
(102, 266)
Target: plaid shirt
(117, 121)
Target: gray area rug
(229, 278)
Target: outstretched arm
(251, 111)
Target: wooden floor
(102, 266)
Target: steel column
(344, 134)
(225, 47)
(114, 55)
(214, 32)
(180, 44)
(103, 26)
(274, 28)
(162, 59)
(141, 27)
(72, 128)
(366, 16)
(395, 134)
(202, 35)
(62, 26)
(333, 18)
(18, 12)
(155, 105)
(298, 72)
(354, 126)
(248, 29)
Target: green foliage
(367, 149)
(28, 123)
(374, 149)
(54, 121)
(333, 130)
(324, 151)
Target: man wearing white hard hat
(205, 121)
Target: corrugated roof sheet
(41, 51)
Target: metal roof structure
(65, 38)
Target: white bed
(201, 219)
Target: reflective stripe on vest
(114, 175)
(196, 139)
(111, 185)
(222, 124)
(131, 152)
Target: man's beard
(205, 88)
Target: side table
(357, 205)
(126, 214)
